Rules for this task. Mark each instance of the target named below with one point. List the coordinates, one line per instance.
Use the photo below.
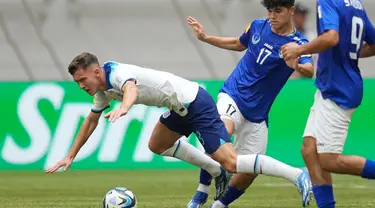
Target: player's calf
(311, 159)
(347, 164)
(242, 181)
(337, 163)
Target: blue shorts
(203, 119)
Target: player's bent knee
(227, 157)
(230, 167)
(230, 164)
(162, 139)
(308, 147)
(154, 147)
(157, 147)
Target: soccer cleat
(304, 187)
(221, 183)
(199, 199)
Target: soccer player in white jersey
(343, 26)
(248, 93)
(191, 109)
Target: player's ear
(97, 71)
(292, 10)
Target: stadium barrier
(41, 119)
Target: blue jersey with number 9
(338, 74)
(262, 72)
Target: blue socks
(205, 178)
(324, 196)
(369, 170)
(231, 195)
(324, 193)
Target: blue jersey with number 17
(262, 72)
(338, 75)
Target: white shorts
(249, 138)
(328, 123)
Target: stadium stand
(40, 37)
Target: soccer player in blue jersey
(247, 95)
(343, 27)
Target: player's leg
(237, 187)
(211, 132)
(249, 138)
(250, 163)
(231, 117)
(252, 138)
(165, 141)
(337, 122)
(331, 132)
(205, 179)
(321, 179)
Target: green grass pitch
(158, 189)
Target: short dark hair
(82, 61)
(271, 4)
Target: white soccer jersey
(156, 88)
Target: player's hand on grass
(113, 115)
(290, 51)
(66, 162)
(197, 27)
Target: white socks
(203, 188)
(258, 164)
(262, 164)
(218, 204)
(188, 153)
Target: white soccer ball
(120, 197)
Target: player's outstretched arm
(229, 43)
(325, 41)
(88, 126)
(367, 50)
(130, 92)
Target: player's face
(280, 16)
(88, 79)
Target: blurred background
(39, 38)
(42, 108)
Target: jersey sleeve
(369, 32)
(328, 15)
(245, 37)
(120, 76)
(100, 103)
(305, 58)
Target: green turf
(157, 189)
